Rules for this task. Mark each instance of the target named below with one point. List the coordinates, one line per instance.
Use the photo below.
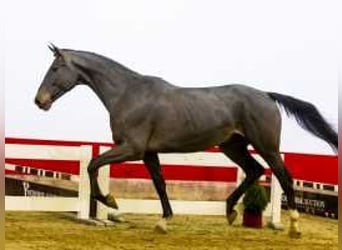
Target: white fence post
(276, 192)
(104, 180)
(84, 183)
(240, 176)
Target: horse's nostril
(36, 101)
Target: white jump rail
(80, 204)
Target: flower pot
(252, 220)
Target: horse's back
(202, 117)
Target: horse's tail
(308, 117)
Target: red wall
(313, 168)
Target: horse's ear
(54, 49)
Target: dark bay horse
(149, 115)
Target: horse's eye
(54, 69)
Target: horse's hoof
(116, 217)
(111, 202)
(161, 227)
(295, 234)
(232, 217)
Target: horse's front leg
(151, 161)
(117, 154)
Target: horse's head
(60, 78)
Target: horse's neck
(113, 82)
(108, 89)
(107, 78)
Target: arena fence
(80, 153)
(80, 204)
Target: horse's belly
(190, 142)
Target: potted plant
(255, 202)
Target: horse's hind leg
(277, 165)
(262, 129)
(236, 149)
(266, 143)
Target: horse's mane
(102, 60)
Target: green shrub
(255, 199)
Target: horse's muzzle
(44, 106)
(43, 100)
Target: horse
(149, 115)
